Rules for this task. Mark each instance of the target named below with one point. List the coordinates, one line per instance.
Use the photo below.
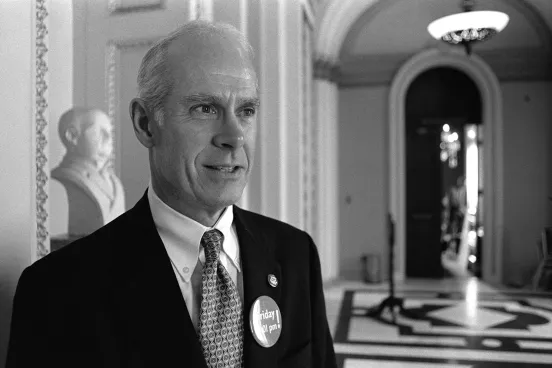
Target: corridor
(455, 323)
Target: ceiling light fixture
(468, 27)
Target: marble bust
(95, 194)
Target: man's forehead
(238, 77)
(216, 53)
(220, 90)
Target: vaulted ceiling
(382, 34)
(392, 26)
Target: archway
(442, 118)
(491, 98)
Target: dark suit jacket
(111, 299)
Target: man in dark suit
(185, 278)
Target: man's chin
(226, 198)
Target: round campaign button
(265, 321)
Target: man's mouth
(224, 169)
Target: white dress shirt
(182, 238)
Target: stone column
(325, 124)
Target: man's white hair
(154, 79)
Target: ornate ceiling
(370, 39)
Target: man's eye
(205, 109)
(249, 111)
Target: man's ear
(142, 121)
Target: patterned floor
(450, 323)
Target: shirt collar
(182, 236)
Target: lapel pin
(272, 280)
(265, 321)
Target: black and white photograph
(276, 183)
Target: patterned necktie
(220, 316)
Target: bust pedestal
(94, 199)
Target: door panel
(423, 180)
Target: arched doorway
(489, 88)
(442, 106)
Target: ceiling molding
(528, 11)
(337, 18)
(116, 7)
(534, 17)
(508, 65)
(361, 22)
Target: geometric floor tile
(476, 318)
(367, 363)
(443, 326)
(448, 355)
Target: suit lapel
(149, 297)
(258, 262)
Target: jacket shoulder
(284, 239)
(269, 224)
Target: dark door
(423, 203)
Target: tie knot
(212, 242)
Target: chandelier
(450, 145)
(468, 27)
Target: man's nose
(230, 135)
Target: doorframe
(493, 166)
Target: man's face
(96, 142)
(203, 150)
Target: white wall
(16, 153)
(363, 131)
(527, 177)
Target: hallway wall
(17, 152)
(363, 146)
(527, 179)
(363, 155)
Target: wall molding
(508, 65)
(308, 133)
(116, 7)
(338, 17)
(535, 18)
(40, 113)
(493, 222)
(361, 22)
(113, 51)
